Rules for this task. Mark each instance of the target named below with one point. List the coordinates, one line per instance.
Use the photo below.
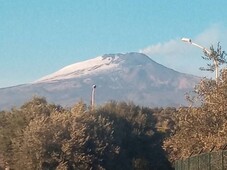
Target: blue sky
(39, 37)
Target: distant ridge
(122, 77)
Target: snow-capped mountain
(93, 66)
(123, 77)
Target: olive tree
(205, 126)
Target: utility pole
(93, 97)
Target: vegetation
(200, 129)
(117, 135)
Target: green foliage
(136, 135)
(203, 127)
(12, 123)
(214, 55)
(114, 136)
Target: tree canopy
(117, 135)
(202, 128)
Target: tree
(72, 139)
(203, 127)
(218, 55)
(136, 134)
(13, 122)
(117, 135)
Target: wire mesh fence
(205, 161)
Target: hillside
(122, 77)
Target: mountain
(123, 77)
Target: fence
(205, 161)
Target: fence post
(209, 161)
(222, 160)
(188, 163)
(222, 154)
(209, 157)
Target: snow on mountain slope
(121, 77)
(97, 64)
(106, 63)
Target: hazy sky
(39, 37)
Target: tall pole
(188, 40)
(93, 96)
